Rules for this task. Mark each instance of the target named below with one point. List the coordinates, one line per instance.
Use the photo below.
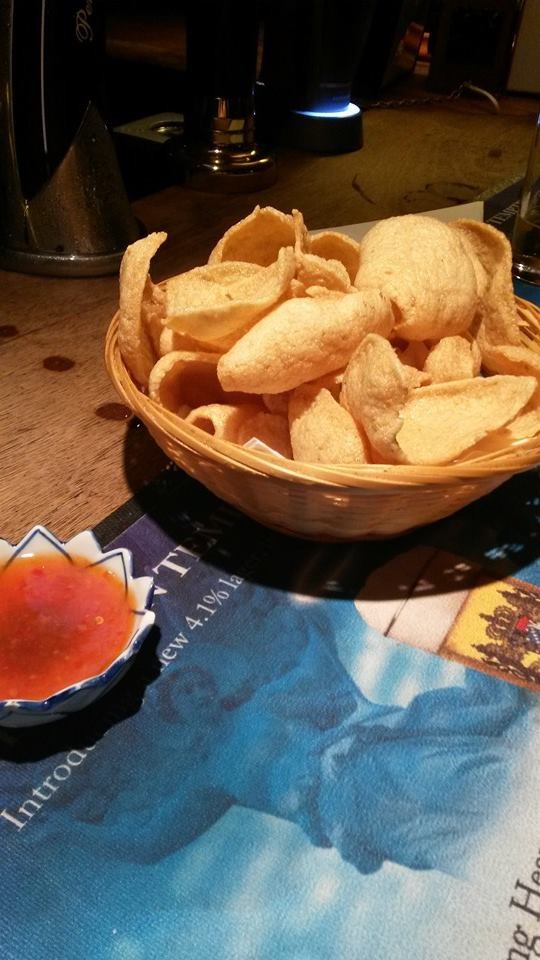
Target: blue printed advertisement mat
(281, 774)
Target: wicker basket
(331, 503)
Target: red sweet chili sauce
(61, 621)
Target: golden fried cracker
(139, 296)
(337, 246)
(302, 339)
(441, 421)
(423, 268)
(259, 237)
(526, 424)
(317, 291)
(272, 429)
(517, 360)
(213, 308)
(522, 427)
(321, 430)
(169, 341)
(491, 252)
(314, 271)
(375, 388)
(451, 359)
(183, 380)
(222, 420)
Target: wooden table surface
(69, 453)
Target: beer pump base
(221, 151)
(218, 170)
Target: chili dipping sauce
(61, 621)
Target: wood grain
(63, 464)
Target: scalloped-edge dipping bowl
(39, 541)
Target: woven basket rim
(519, 456)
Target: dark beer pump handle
(221, 54)
(56, 49)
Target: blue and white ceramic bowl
(39, 542)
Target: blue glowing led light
(351, 110)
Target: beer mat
(501, 208)
(321, 751)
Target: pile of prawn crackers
(404, 348)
